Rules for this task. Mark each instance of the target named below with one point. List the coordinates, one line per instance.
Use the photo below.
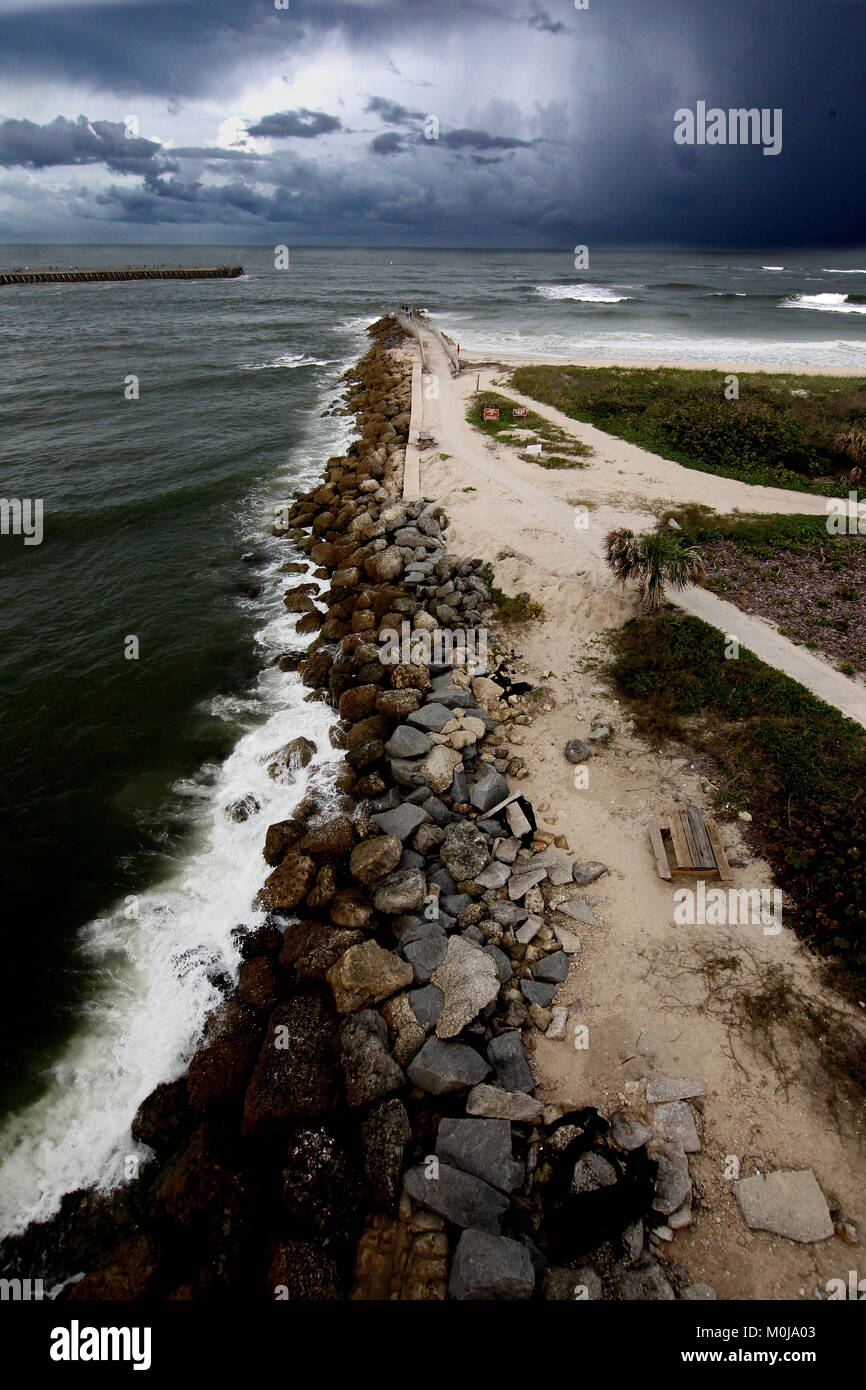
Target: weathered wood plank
(690, 840)
(705, 857)
(718, 851)
(659, 851)
(682, 862)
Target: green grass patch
(798, 764)
(768, 436)
(559, 449)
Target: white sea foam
(289, 359)
(826, 303)
(772, 267)
(831, 270)
(157, 957)
(634, 346)
(587, 294)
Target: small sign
(519, 412)
(491, 412)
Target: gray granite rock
(459, 1197)
(788, 1202)
(426, 1004)
(496, 875)
(509, 1062)
(425, 956)
(588, 872)
(440, 1067)
(481, 1147)
(579, 911)
(487, 1267)
(430, 717)
(499, 1104)
(674, 1121)
(698, 1293)
(536, 992)
(673, 1186)
(407, 742)
(490, 788)
(552, 968)
(521, 882)
(504, 971)
(627, 1133)
(576, 751)
(401, 822)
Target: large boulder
(289, 883)
(296, 1073)
(403, 891)
(488, 1267)
(481, 1147)
(366, 974)
(458, 1197)
(374, 858)
(467, 978)
(385, 565)
(222, 1064)
(329, 840)
(295, 754)
(440, 1067)
(385, 1132)
(369, 1069)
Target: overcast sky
(312, 124)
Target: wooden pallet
(689, 844)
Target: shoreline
(428, 925)
(380, 997)
(472, 360)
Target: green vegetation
(800, 765)
(757, 534)
(512, 608)
(567, 452)
(797, 431)
(653, 561)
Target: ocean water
(124, 875)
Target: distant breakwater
(129, 272)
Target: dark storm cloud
(62, 142)
(556, 125)
(391, 112)
(541, 20)
(165, 49)
(388, 143)
(481, 140)
(302, 124)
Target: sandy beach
(656, 998)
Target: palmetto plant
(653, 561)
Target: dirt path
(738, 1008)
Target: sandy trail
(657, 998)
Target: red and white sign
(491, 412)
(519, 412)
